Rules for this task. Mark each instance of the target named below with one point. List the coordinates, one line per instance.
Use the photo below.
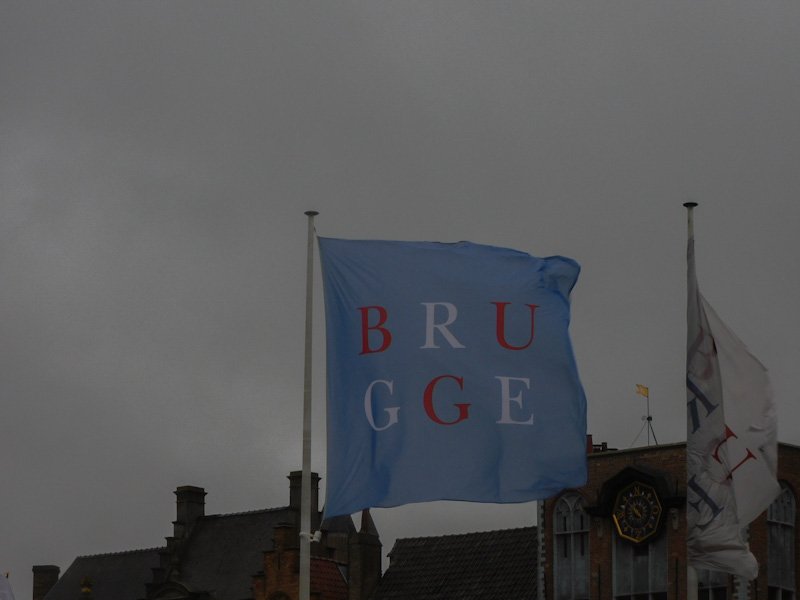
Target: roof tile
(464, 566)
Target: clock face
(637, 512)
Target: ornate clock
(637, 512)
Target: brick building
(582, 549)
(252, 555)
(589, 551)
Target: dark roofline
(638, 449)
(247, 512)
(471, 533)
(161, 548)
(121, 552)
(654, 448)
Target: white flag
(731, 440)
(5, 588)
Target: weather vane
(643, 390)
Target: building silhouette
(579, 551)
(582, 549)
(242, 556)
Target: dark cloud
(157, 159)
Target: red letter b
(386, 335)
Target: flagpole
(305, 490)
(691, 573)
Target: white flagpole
(305, 490)
(691, 574)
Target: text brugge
(374, 328)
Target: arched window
(780, 546)
(640, 570)
(571, 549)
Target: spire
(367, 524)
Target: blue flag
(450, 374)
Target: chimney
(44, 578)
(191, 505)
(295, 491)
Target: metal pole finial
(690, 213)
(311, 213)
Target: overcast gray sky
(156, 159)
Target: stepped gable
(223, 552)
(491, 565)
(220, 556)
